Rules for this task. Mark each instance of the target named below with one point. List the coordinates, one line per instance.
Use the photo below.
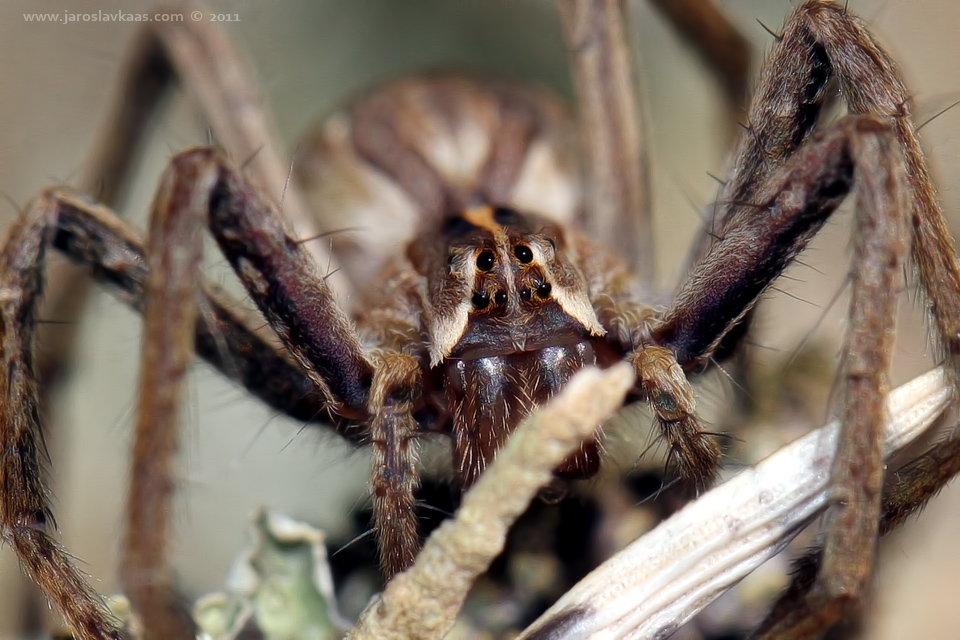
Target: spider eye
(485, 261)
(480, 300)
(544, 289)
(523, 253)
(500, 298)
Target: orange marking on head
(483, 217)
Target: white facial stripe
(447, 330)
(575, 304)
(539, 255)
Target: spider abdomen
(399, 159)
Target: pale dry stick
(423, 602)
(664, 578)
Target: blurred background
(57, 81)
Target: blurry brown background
(56, 81)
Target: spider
(537, 246)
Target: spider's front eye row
(481, 299)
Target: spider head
(501, 282)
